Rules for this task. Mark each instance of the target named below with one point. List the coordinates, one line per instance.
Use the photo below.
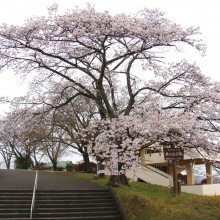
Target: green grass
(146, 201)
(142, 201)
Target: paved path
(24, 179)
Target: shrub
(70, 167)
(23, 163)
(39, 165)
(92, 167)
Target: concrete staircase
(15, 204)
(59, 204)
(150, 174)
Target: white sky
(205, 14)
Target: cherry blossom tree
(73, 119)
(56, 129)
(70, 117)
(18, 133)
(120, 63)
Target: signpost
(174, 154)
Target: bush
(92, 168)
(70, 167)
(23, 163)
(39, 165)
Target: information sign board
(173, 153)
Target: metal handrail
(33, 196)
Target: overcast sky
(205, 14)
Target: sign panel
(114, 162)
(173, 153)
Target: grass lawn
(142, 201)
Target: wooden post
(175, 187)
(170, 168)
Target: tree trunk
(54, 165)
(7, 161)
(120, 179)
(8, 164)
(7, 155)
(117, 180)
(86, 160)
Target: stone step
(79, 209)
(66, 195)
(15, 194)
(78, 215)
(75, 214)
(11, 197)
(15, 210)
(73, 201)
(109, 217)
(11, 201)
(16, 191)
(73, 191)
(6, 215)
(17, 218)
(69, 197)
(76, 205)
(14, 206)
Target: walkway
(24, 179)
